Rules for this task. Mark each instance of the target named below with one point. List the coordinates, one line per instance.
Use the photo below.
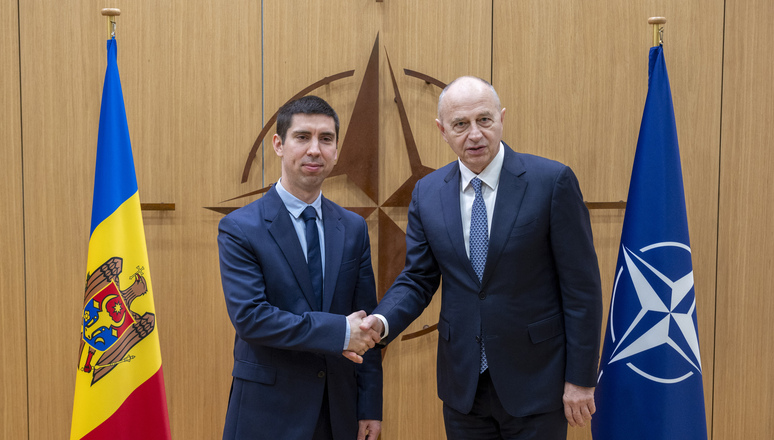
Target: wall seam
(491, 45)
(263, 103)
(717, 227)
(24, 221)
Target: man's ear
(440, 126)
(276, 142)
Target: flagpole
(111, 14)
(657, 29)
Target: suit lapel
(510, 194)
(334, 245)
(450, 205)
(284, 234)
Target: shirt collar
(296, 206)
(490, 175)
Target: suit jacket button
(478, 339)
(321, 374)
(482, 295)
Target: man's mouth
(312, 166)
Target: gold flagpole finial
(658, 29)
(111, 14)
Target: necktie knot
(309, 214)
(476, 182)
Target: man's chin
(316, 179)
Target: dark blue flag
(650, 374)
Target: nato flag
(650, 377)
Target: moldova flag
(650, 378)
(119, 387)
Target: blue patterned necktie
(479, 244)
(313, 257)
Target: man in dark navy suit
(509, 237)
(297, 278)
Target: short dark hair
(308, 105)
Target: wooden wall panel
(62, 66)
(744, 383)
(199, 84)
(304, 43)
(191, 81)
(192, 86)
(455, 42)
(13, 369)
(574, 79)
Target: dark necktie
(313, 257)
(479, 244)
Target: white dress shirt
(490, 177)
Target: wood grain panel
(306, 42)
(62, 66)
(455, 42)
(574, 79)
(198, 88)
(13, 369)
(193, 71)
(191, 82)
(744, 383)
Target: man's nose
(314, 148)
(475, 133)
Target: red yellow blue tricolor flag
(119, 387)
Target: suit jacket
(539, 303)
(284, 351)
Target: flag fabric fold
(119, 387)
(650, 375)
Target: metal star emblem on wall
(359, 161)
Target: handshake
(365, 331)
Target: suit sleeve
(414, 288)
(369, 373)
(255, 320)
(576, 264)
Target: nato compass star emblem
(359, 159)
(656, 335)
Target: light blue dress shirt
(295, 207)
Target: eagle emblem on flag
(110, 327)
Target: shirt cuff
(346, 336)
(386, 326)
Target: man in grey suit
(509, 237)
(297, 278)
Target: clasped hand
(364, 334)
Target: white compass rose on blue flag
(663, 325)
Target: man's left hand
(369, 429)
(578, 404)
